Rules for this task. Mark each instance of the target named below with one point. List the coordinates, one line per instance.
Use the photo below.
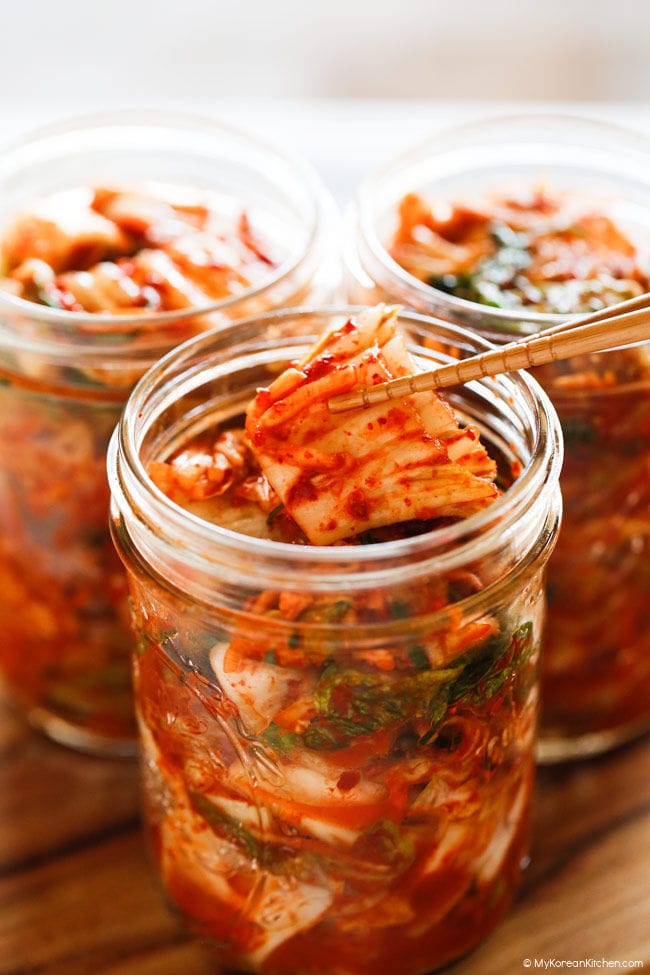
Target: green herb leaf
(276, 511)
(385, 843)
(352, 703)
(230, 829)
(279, 739)
(398, 609)
(418, 658)
(487, 670)
(335, 612)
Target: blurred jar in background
(509, 226)
(120, 236)
(338, 747)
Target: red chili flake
(357, 505)
(348, 780)
(321, 366)
(397, 416)
(302, 490)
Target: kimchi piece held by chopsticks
(339, 475)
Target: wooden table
(77, 896)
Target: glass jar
(387, 831)
(64, 376)
(596, 684)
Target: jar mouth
(361, 567)
(98, 322)
(478, 135)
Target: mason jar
(596, 683)
(64, 376)
(337, 741)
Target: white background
(494, 49)
(303, 72)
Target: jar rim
(188, 534)
(96, 323)
(628, 139)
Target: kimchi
(120, 251)
(539, 250)
(560, 253)
(337, 780)
(102, 251)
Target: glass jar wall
(66, 369)
(596, 671)
(337, 741)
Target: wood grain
(77, 895)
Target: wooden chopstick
(611, 311)
(625, 323)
